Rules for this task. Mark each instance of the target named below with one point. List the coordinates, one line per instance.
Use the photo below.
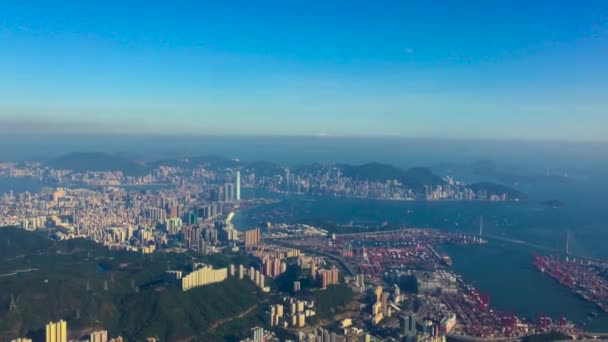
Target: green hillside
(497, 189)
(138, 303)
(97, 161)
(415, 178)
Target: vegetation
(209, 161)
(408, 283)
(332, 300)
(375, 172)
(237, 329)
(98, 161)
(68, 280)
(415, 178)
(264, 169)
(497, 189)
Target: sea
(20, 185)
(501, 269)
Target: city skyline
(465, 71)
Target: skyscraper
(252, 237)
(330, 277)
(407, 323)
(238, 185)
(276, 267)
(204, 276)
(324, 279)
(57, 332)
(258, 334)
(229, 193)
(99, 336)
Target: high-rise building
(204, 276)
(330, 277)
(258, 334)
(174, 225)
(191, 236)
(334, 276)
(447, 323)
(191, 218)
(407, 324)
(173, 211)
(287, 180)
(57, 332)
(228, 233)
(360, 280)
(396, 294)
(267, 267)
(324, 279)
(252, 274)
(241, 271)
(252, 237)
(301, 320)
(229, 192)
(99, 336)
(276, 267)
(270, 319)
(155, 214)
(313, 271)
(237, 186)
(384, 302)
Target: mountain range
(415, 178)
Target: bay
(502, 269)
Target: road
(345, 265)
(242, 314)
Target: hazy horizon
(539, 156)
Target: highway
(345, 265)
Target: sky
(444, 69)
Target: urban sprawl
(191, 210)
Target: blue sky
(455, 69)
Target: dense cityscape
(401, 285)
(194, 202)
